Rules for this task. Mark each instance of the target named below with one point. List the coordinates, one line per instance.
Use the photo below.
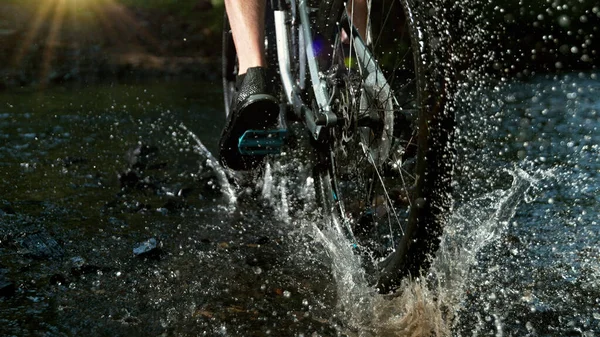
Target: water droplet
(564, 21)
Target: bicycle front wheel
(392, 159)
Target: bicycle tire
(426, 145)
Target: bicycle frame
(286, 15)
(285, 20)
(314, 90)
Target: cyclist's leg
(254, 106)
(247, 21)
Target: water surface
(88, 174)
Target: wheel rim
(377, 169)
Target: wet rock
(150, 248)
(129, 179)
(41, 246)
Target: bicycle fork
(285, 21)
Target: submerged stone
(41, 246)
(150, 248)
(129, 179)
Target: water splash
(213, 163)
(425, 306)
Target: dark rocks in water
(77, 262)
(41, 246)
(150, 248)
(7, 288)
(129, 179)
(144, 157)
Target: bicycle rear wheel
(391, 161)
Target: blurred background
(87, 41)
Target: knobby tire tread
(435, 158)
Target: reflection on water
(539, 277)
(87, 175)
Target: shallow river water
(88, 175)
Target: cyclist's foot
(254, 108)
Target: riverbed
(114, 221)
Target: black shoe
(254, 108)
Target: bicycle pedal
(261, 142)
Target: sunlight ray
(107, 22)
(57, 22)
(52, 40)
(32, 33)
(128, 22)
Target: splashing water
(213, 163)
(425, 306)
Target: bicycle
(379, 119)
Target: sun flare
(55, 24)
